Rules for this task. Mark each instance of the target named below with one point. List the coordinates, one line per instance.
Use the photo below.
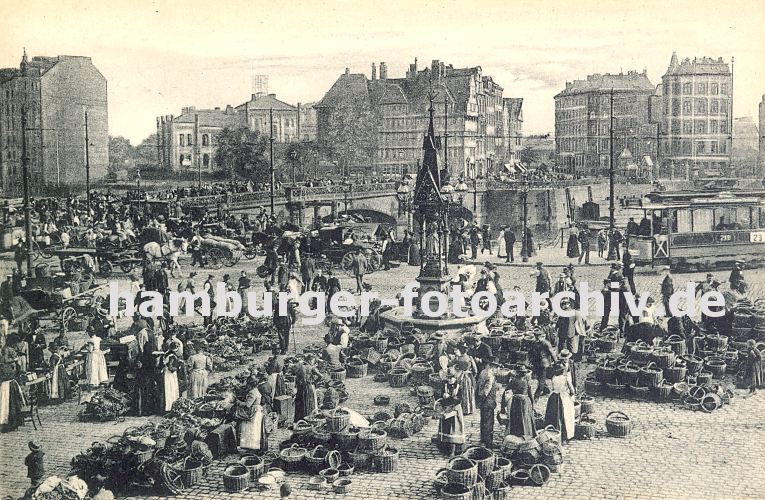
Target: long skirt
(451, 429)
(414, 254)
(468, 390)
(95, 368)
(252, 432)
(197, 383)
(11, 402)
(59, 382)
(753, 374)
(305, 401)
(520, 421)
(572, 248)
(170, 384)
(560, 414)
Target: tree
(146, 152)
(300, 156)
(121, 154)
(352, 133)
(243, 153)
(529, 156)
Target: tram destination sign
(757, 237)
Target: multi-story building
(469, 108)
(583, 121)
(745, 146)
(306, 122)
(697, 124)
(188, 141)
(512, 117)
(55, 94)
(263, 110)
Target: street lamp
(293, 157)
(525, 250)
(461, 188)
(404, 197)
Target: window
(205, 160)
(182, 140)
(675, 126)
(687, 127)
(686, 147)
(676, 88)
(701, 106)
(687, 106)
(180, 159)
(713, 127)
(714, 89)
(701, 88)
(713, 106)
(700, 147)
(723, 147)
(205, 140)
(188, 140)
(723, 88)
(675, 107)
(724, 126)
(713, 147)
(687, 89)
(701, 127)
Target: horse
(167, 252)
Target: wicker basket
(338, 374)
(398, 377)
(337, 420)
(254, 464)
(316, 459)
(387, 460)
(675, 373)
(484, 458)
(329, 474)
(588, 404)
(361, 459)
(592, 386)
(345, 469)
(716, 367)
(341, 486)
(381, 377)
(650, 375)
(461, 470)
(628, 374)
(618, 424)
(694, 363)
(191, 472)
(503, 492)
(585, 428)
(379, 343)
(372, 439)
(356, 369)
(663, 391)
(236, 478)
(293, 455)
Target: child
(34, 463)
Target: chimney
(374, 71)
(383, 71)
(217, 108)
(229, 109)
(347, 71)
(272, 95)
(442, 67)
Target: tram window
(702, 220)
(761, 218)
(684, 221)
(742, 218)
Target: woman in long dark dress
(451, 424)
(306, 376)
(414, 251)
(753, 367)
(59, 378)
(11, 397)
(519, 410)
(572, 248)
(560, 405)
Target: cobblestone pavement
(671, 453)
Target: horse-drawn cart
(72, 311)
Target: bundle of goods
(707, 397)
(55, 488)
(226, 353)
(107, 404)
(209, 240)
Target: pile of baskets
(707, 397)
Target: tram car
(695, 230)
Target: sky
(159, 56)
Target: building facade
(56, 94)
(697, 123)
(469, 108)
(583, 115)
(512, 117)
(306, 122)
(188, 141)
(257, 114)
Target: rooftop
(697, 66)
(632, 80)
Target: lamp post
(138, 188)
(525, 250)
(404, 197)
(25, 173)
(611, 207)
(293, 157)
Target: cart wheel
(126, 266)
(67, 315)
(47, 251)
(250, 253)
(106, 268)
(215, 258)
(374, 260)
(172, 479)
(36, 252)
(346, 264)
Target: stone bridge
(488, 202)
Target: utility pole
(730, 118)
(87, 163)
(25, 173)
(446, 135)
(525, 250)
(58, 168)
(611, 207)
(271, 168)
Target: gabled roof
(514, 105)
(266, 101)
(384, 92)
(348, 86)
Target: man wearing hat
(209, 288)
(509, 242)
(570, 328)
(486, 399)
(736, 276)
(667, 289)
(544, 281)
(628, 269)
(705, 286)
(35, 464)
(584, 244)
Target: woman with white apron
(95, 362)
(170, 380)
(252, 428)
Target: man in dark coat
(628, 269)
(509, 242)
(272, 261)
(474, 240)
(35, 464)
(486, 400)
(667, 289)
(584, 243)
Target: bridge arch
(370, 215)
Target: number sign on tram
(757, 237)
